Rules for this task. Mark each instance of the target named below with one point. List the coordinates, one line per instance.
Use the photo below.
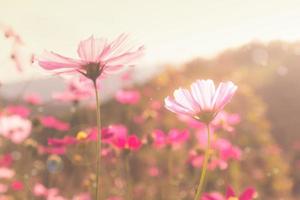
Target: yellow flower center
(81, 135)
(233, 198)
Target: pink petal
(53, 61)
(175, 107)
(91, 48)
(248, 194)
(230, 192)
(115, 47)
(126, 58)
(203, 91)
(183, 97)
(223, 95)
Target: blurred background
(254, 43)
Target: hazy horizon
(173, 32)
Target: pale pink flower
(98, 57)
(3, 188)
(53, 194)
(153, 171)
(15, 128)
(33, 98)
(128, 96)
(203, 102)
(6, 173)
(40, 190)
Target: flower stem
(98, 146)
(129, 183)
(204, 168)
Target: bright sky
(172, 30)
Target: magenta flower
(128, 96)
(15, 128)
(17, 185)
(248, 194)
(98, 57)
(131, 142)
(203, 102)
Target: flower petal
(175, 107)
(248, 194)
(53, 61)
(230, 192)
(224, 93)
(91, 48)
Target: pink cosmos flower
(40, 190)
(33, 99)
(98, 57)
(212, 196)
(15, 128)
(131, 142)
(108, 134)
(54, 123)
(67, 140)
(3, 188)
(128, 96)
(175, 138)
(226, 121)
(77, 90)
(17, 185)
(203, 102)
(224, 152)
(6, 160)
(18, 110)
(6, 173)
(248, 194)
(153, 171)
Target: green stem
(98, 146)
(129, 183)
(204, 168)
